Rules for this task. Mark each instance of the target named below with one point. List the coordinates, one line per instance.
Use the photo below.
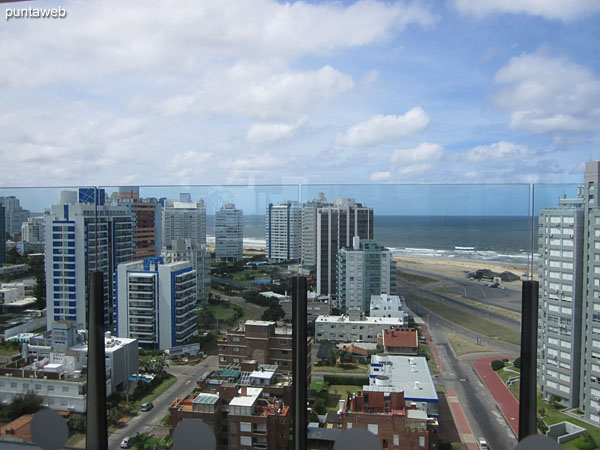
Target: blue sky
(263, 92)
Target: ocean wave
(462, 253)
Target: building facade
(363, 271)
(184, 219)
(180, 250)
(146, 214)
(74, 247)
(309, 229)
(569, 321)
(229, 233)
(14, 216)
(353, 328)
(283, 231)
(336, 227)
(2, 236)
(156, 303)
(34, 230)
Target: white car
(125, 442)
(482, 444)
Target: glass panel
(429, 291)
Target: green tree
(141, 441)
(274, 313)
(345, 356)
(206, 319)
(28, 403)
(77, 423)
(497, 364)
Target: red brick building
(250, 420)
(399, 341)
(262, 342)
(385, 415)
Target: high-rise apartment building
(283, 231)
(181, 250)
(2, 237)
(569, 317)
(83, 235)
(362, 271)
(336, 227)
(14, 215)
(309, 229)
(184, 219)
(34, 229)
(156, 303)
(229, 233)
(147, 221)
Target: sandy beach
(457, 268)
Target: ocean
(504, 239)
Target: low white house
(353, 329)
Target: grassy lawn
(470, 321)
(463, 346)
(432, 365)
(76, 441)
(158, 390)
(505, 312)
(416, 279)
(247, 275)
(505, 375)
(553, 416)
(356, 368)
(9, 348)
(338, 392)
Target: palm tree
(141, 441)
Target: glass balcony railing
(414, 311)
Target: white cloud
(262, 91)
(381, 176)
(263, 133)
(379, 129)
(548, 94)
(548, 9)
(108, 37)
(506, 151)
(423, 152)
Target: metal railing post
(528, 388)
(299, 361)
(96, 428)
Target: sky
(256, 92)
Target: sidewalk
(432, 347)
(503, 397)
(460, 420)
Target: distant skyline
(258, 92)
(386, 199)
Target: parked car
(147, 406)
(125, 442)
(482, 444)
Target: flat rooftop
(249, 399)
(206, 399)
(404, 373)
(364, 321)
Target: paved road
(146, 421)
(480, 409)
(476, 290)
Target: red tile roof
(403, 337)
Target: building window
(421, 441)
(373, 428)
(246, 440)
(396, 439)
(65, 388)
(246, 427)
(348, 426)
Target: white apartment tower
(34, 229)
(184, 219)
(181, 250)
(283, 230)
(229, 233)
(83, 235)
(309, 229)
(156, 303)
(362, 271)
(569, 299)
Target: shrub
(517, 363)
(497, 364)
